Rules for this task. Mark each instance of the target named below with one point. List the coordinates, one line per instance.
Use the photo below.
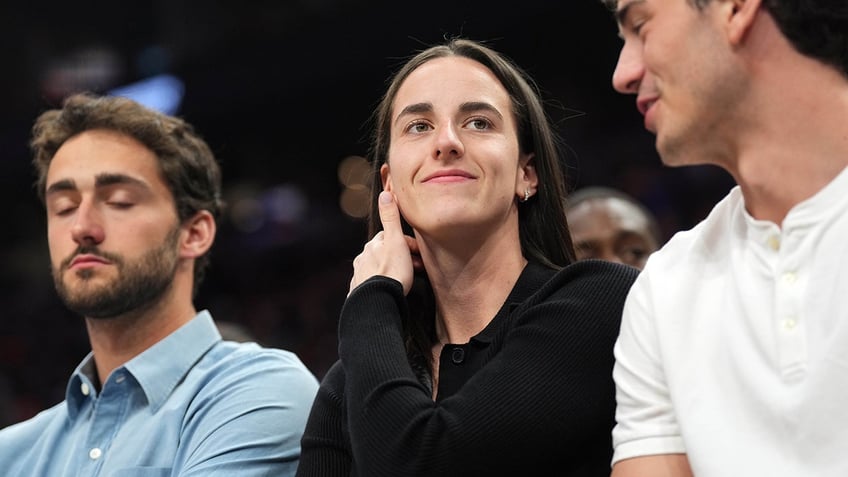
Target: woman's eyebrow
(416, 108)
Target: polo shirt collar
(530, 281)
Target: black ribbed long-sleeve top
(532, 394)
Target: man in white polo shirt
(733, 353)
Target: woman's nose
(448, 143)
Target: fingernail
(385, 197)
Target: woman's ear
(198, 234)
(528, 181)
(386, 177)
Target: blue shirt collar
(158, 369)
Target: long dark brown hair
(543, 229)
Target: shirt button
(789, 324)
(774, 242)
(789, 277)
(458, 355)
(95, 453)
(85, 389)
(119, 379)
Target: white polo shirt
(734, 344)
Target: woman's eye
(418, 127)
(479, 123)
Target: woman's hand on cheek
(390, 252)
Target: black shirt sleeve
(544, 400)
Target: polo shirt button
(95, 453)
(458, 355)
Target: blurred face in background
(611, 229)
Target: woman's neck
(470, 290)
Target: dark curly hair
(185, 160)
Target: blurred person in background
(611, 225)
(132, 197)
(232, 331)
(733, 352)
(471, 342)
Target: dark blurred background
(282, 91)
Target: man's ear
(198, 234)
(739, 16)
(386, 177)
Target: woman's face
(454, 163)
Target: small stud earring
(526, 194)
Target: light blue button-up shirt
(191, 405)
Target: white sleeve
(646, 423)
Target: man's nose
(87, 228)
(629, 70)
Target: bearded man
(132, 198)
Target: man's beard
(139, 285)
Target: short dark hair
(185, 160)
(816, 28)
(588, 193)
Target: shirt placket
(790, 280)
(108, 416)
